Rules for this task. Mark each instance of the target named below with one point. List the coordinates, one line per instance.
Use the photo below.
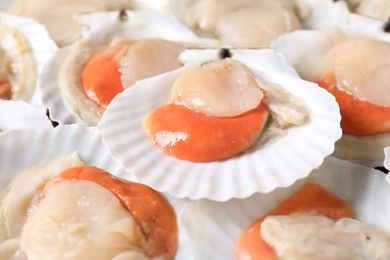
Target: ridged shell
(137, 24)
(213, 227)
(47, 144)
(21, 115)
(261, 169)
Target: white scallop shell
(21, 115)
(21, 149)
(137, 24)
(305, 49)
(214, 227)
(99, 29)
(386, 163)
(41, 47)
(261, 169)
(321, 14)
(24, 148)
(48, 84)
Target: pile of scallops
(194, 129)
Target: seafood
(309, 201)
(24, 48)
(31, 218)
(58, 15)
(363, 189)
(288, 99)
(220, 98)
(350, 62)
(108, 60)
(253, 24)
(242, 24)
(45, 145)
(353, 238)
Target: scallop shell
(67, 103)
(321, 14)
(386, 163)
(21, 115)
(305, 49)
(30, 47)
(213, 227)
(261, 169)
(48, 144)
(137, 24)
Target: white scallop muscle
(90, 224)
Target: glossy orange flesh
(5, 91)
(187, 135)
(358, 117)
(149, 208)
(101, 78)
(312, 198)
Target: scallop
(49, 152)
(140, 36)
(14, 204)
(363, 67)
(222, 88)
(255, 27)
(284, 93)
(224, 222)
(323, 237)
(237, 22)
(244, 24)
(147, 58)
(92, 220)
(306, 50)
(58, 15)
(19, 70)
(210, 11)
(24, 49)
